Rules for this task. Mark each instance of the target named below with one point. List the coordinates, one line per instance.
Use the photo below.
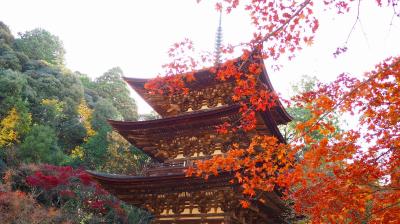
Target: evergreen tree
(111, 86)
(40, 44)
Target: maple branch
(281, 27)
(384, 153)
(356, 88)
(273, 33)
(382, 188)
(381, 210)
(394, 4)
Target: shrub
(79, 197)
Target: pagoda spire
(218, 41)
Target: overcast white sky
(135, 35)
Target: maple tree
(349, 176)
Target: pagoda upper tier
(205, 92)
(188, 130)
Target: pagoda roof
(159, 183)
(136, 190)
(186, 119)
(126, 186)
(143, 134)
(205, 78)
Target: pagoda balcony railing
(168, 168)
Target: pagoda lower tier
(176, 198)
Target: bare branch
(281, 27)
(355, 22)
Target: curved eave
(172, 124)
(188, 122)
(118, 183)
(284, 115)
(271, 123)
(192, 117)
(138, 84)
(202, 77)
(119, 178)
(138, 81)
(132, 188)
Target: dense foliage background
(53, 125)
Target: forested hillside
(52, 115)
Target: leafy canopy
(40, 44)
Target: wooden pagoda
(185, 133)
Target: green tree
(104, 110)
(90, 92)
(111, 86)
(51, 111)
(40, 44)
(5, 34)
(9, 58)
(123, 157)
(37, 88)
(149, 116)
(51, 82)
(13, 88)
(40, 146)
(95, 150)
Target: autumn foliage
(349, 176)
(329, 176)
(60, 194)
(353, 175)
(20, 207)
(59, 185)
